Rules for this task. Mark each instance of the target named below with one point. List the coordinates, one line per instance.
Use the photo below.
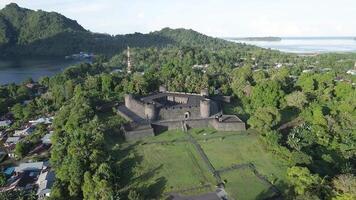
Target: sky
(219, 18)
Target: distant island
(257, 39)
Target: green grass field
(165, 168)
(241, 149)
(162, 168)
(243, 184)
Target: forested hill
(22, 26)
(25, 32)
(191, 37)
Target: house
(27, 180)
(45, 182)
(34, 166)
(307, 71)
(5, 123)
(42, 120)
(25, 132)
(278, 65)
(26, 102)
(203, 68)
(351, 71)
(11, 140)
(46, 139)
(117, 71)
(10, 145)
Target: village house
(42, 120)
(5, 123)
(33, 166)
(25, 132)
(46, 139)
(11, 140)
(26, 177)
(45, 182)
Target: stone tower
(205, 108)
(162, 88)
(204, 92)
(150, 112)
(129, 64)
(128, 99)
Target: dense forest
(25, 32)
(307, 119)
(303, 109)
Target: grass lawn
(166, 136)
(161, 168)
(167, 168)
(243, 184)
(244, 149)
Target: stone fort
(164, 110)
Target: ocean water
(307, 45)
(15, 70)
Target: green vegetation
(163, 164)
(167, 168)
(247, 149)
(301, 133)
(243, 184)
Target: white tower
(129, 67)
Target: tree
(307, 83)
(22, 148)
(302, 180)
(300, 136)
(133, 195)
(17, 111)
(265, 118)
(267, 93)
(2, 179)
(344, 186)
(296, 99)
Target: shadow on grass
(126, 160)
(270, 194)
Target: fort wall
(178, 113)
(228, 126)
(137, 134)
(135, 106)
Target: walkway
(201, 152)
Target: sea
(17, 70)
(307, 45)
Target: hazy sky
(212, 17)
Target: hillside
(25, 32)
(23, 26)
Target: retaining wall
(228, 126)
(136, 134)
(178, 113)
